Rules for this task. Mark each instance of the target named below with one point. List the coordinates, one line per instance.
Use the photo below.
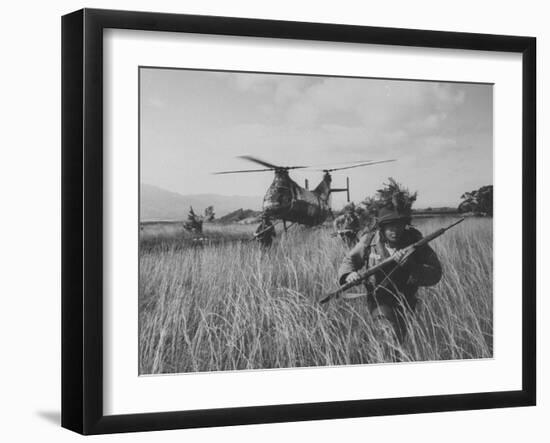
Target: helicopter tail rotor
(346, 189)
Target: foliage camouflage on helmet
(392, 198)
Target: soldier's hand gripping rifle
(390, 260)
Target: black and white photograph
(292, 220)
(275, 221)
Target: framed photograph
(268, 221)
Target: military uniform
(265, 233)
(347, 225)
(392, 291)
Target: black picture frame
(82, 219)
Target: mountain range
(159, 204)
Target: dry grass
(230, 305)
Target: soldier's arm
(354, 260)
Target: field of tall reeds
(228, 304)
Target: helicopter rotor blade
(352, 162)
(258, 161)
(256, 170)
(244, 170)
(268, 165)
(359, 165)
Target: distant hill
(159, 204)
(240, 215)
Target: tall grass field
(221, 302)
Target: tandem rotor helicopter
(287, 201)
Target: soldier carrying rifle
(265, 232)
(391, 291)
(347, 225)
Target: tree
(485, 199)
(479, 201)
(194, 222)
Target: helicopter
(287, 201)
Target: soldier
(265, 232)
(391, 293)
(347, 225)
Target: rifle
(342, 231)
(257, 234)
(390, 260)
(272, 226)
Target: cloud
(427, 123)
(439, 132)
(447, 95)
(290, 89)
(433, 145)
(376, 105)
(252, 83)
(280, 88)
(302, 114)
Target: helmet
(390, 214)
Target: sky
(193, 123)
